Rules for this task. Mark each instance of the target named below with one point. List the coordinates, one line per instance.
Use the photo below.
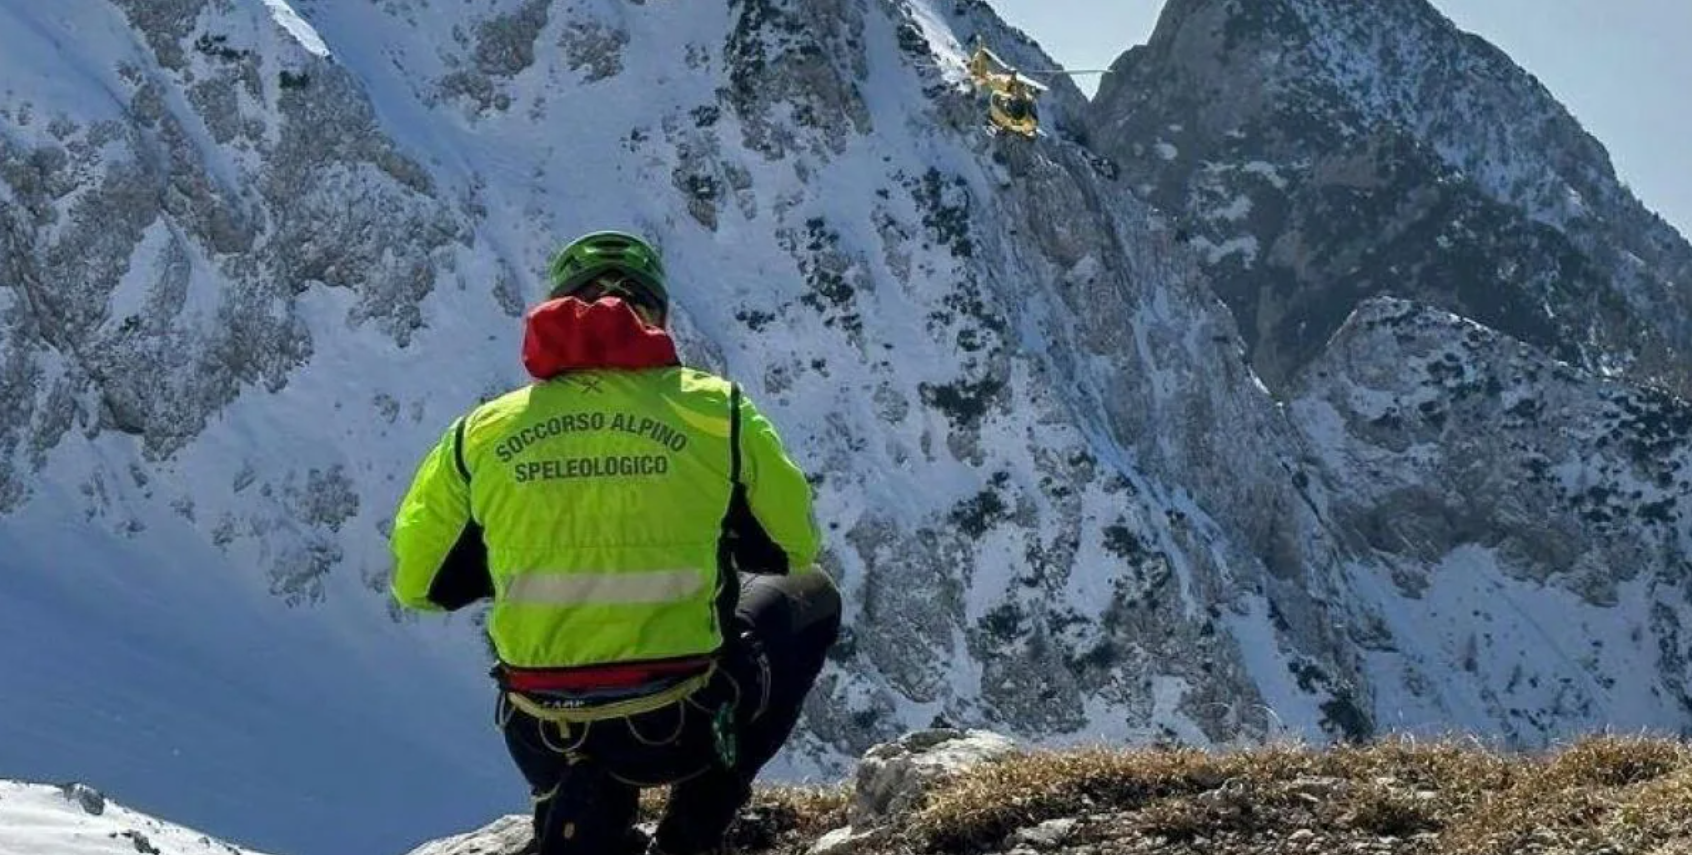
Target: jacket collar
(568, 334)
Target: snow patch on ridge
(296, 26)
(38, 819)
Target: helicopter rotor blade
(995, 58)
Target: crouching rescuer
(648, 545)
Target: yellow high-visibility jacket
(605, 511)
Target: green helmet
(588, 257)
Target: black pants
(587, 778)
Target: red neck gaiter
(568, 334)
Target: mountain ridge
(1409, 135)
(259, 261)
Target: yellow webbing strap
(617, 709)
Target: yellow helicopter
(1012, 99)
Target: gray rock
(504, 836)
(92, 801)
(892, 778)
(847, 840)
(1048, 835)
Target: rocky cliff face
(1539, 515)
(1005, 377)
(1316, 153)
(258, 256)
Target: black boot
(699, 812)
(590, 814)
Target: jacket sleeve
(440, 560)
(777, 495)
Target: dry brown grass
(1379, 789)
(777, 818)
(1613, 795)
(982, 807)
(1623, 793)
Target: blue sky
(1622, 67)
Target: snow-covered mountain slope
(147, 662)
(1318, 152)
(258, 255)
(249, 283)
(36, 819)
(1513, 521)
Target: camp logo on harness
(591, 467)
